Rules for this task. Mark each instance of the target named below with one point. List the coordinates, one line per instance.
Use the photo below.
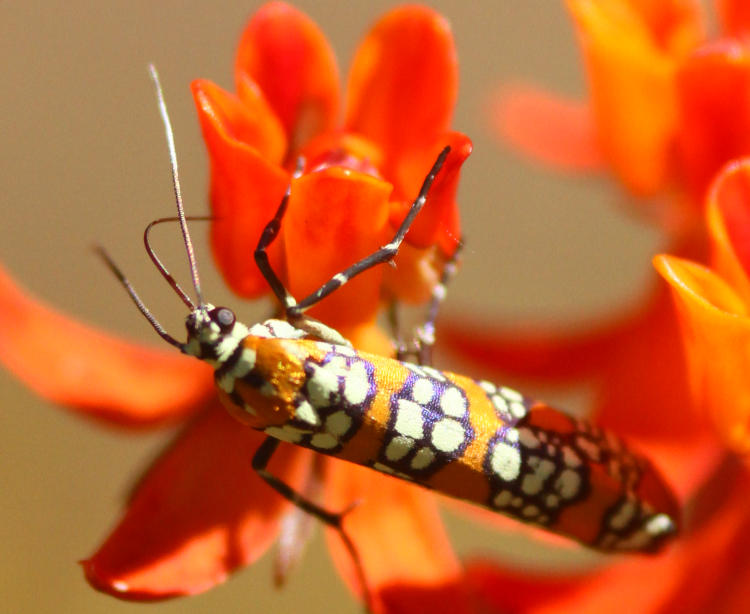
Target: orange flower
(667, 107)
(714, 309)
(360, 175)
(200, 511)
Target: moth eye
(224, 317)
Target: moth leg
(420, 349)
(267, 237)
(385, 254)
(425, 334)
(332, 519)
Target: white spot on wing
(356, 384)
(506, 461)
(398, 447)
(517, 409)
(284, 433)
(510, 394)
(488, 387)
(324, 441)
(306, 413)
(503, 498)
(338, 423)
(623, 516)
(447, 435)
(423, 458)
(409, 419)
(453, 403)
(323, 386)
(422, 391)
(568, 484)
(660, 524)
(528, 438)
(570, 458)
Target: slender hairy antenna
(177, 190)
(158, 263)
(136, 299)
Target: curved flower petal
(438, 220)
(403, 82)
(675, 25)
(355, 209)
(199, 513)
(714, 97)
(546, 127)
(728, 218)
(735, 16)
(632, 91)
(287, 55)
(246, 189)
(716, 323)
(538, 352)
(399, 535)
(96, 374)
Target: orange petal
(535, 352)
(287, 55)
(714, 96)
(397, 530)
(631, 84)
(675, 25)
(199, 513)
(728, 218)
(611, 590)
(437, 222)
(547, 128)
(335, 217)
(735, 16)
(403, 82)
(246, 189)
(715, 324)
(93, 373)
(247, 119)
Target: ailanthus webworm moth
(299, 381)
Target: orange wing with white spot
(467, 439)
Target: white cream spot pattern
(409, 420)
(506, 461)
(448, 435)
(453, 403)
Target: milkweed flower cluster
(666, 117)
(666, 110)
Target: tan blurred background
(84, 161)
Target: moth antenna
(134, 296)
(158, 263)
(177, 192)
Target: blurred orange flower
(667, 108)
(714, 308)
(661, 113)
(200, 511)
